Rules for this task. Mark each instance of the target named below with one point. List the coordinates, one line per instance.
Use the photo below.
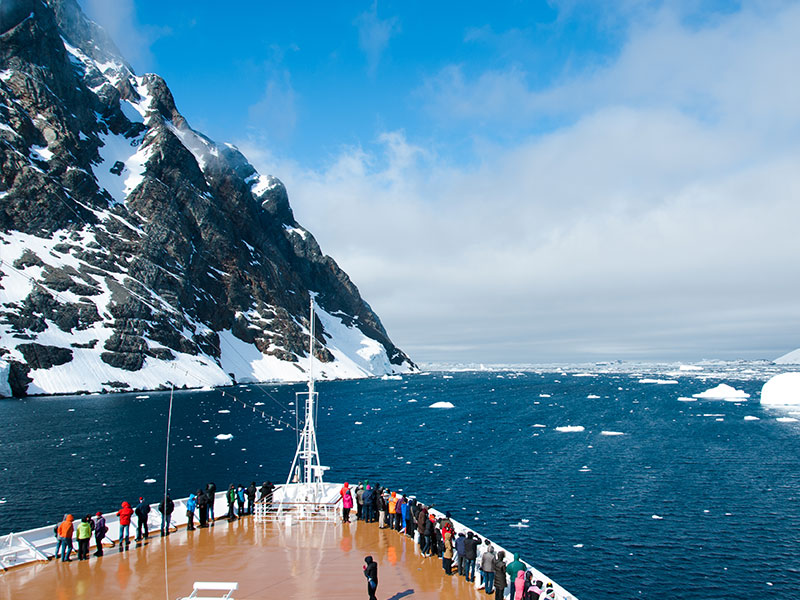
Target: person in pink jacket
(519, 585)
(347, 503)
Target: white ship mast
(306, 468)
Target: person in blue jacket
(191, 504)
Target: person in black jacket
(142, 511)
(371, 573)
(166, 514)
(250, 492)
(211, 496)
(470, 555)
(202, 508)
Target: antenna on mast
(306, 468)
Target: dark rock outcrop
(137, 229)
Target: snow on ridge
(201, 148)
(132, 153)
(296, 230)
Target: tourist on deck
(360, 501)
(191, 504)
(211, 496)
(399, 511)
(347, 502)
(371, 573)
(487, 569)
(430, 537)
(518, 586)
(470, 555)
(514, 567)
(100, 531)
(422, 519)
(437, 542)
(447, 551)
(411, 517)
(376, 497)
(548, 593)
(125, 513)
(64, 534)
(369, 504)
(531, 590)
(267, 489)
(83, 533)
(230, 496)
(383, 508)
(240, 496)
(392, 508)
(202, 508)
(499, 575)
(250, 492)
(142, 511)
(460, 559)
(166, 509)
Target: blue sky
(542, 181)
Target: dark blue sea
(693, 500)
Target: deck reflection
(305, 560)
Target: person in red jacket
(124, 515)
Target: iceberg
(442, 405)
(224, 436)
(5, 388)
(571, 428)
(722, 392)
(782, 390)
(790, 358)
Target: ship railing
(300, 511)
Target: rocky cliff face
(136, 252)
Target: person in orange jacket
(64, 535)
(124, 515)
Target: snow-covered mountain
(135, 251)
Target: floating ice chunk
(442, 405)
(259, 404)
(392, 378)
(149, 480)
(685, 399)
(205, 421)
(592, 396)
(570, 428)
(657, 518)
(412, 400)
(519, 525)
(659, 381)
(142, 397)
(722, 392)
(690, 368)
(578, 546)
(782, 390)
(358, 423)
(611, 433)
(786, 420)
(224, 436)
(751, 418)
(539, 425)
(223, 411)
(584, 374)
(584, 469)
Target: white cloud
(132, 38)
(374, 35)
(275, 113)
(658, 222)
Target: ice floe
(685, 399)
(224, 411)
(442, 405)
(149, 480)
(751, 418)
(571, 428)
(592, 397)
(657, 517)
(612, 433)
(722, 392)
(224, 436)
(659, 381)
(786, 420)
(782, 390)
